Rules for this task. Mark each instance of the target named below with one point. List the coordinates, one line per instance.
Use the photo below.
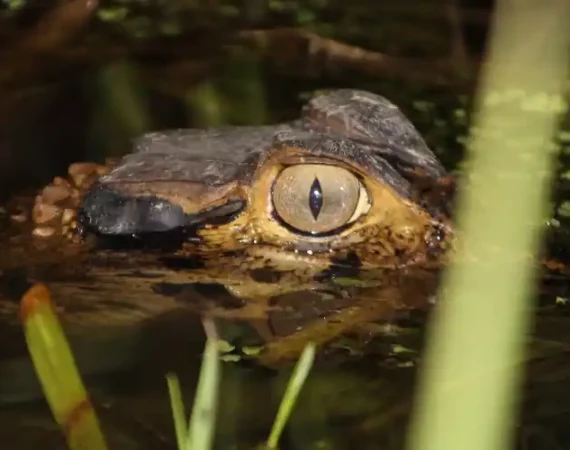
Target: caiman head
(350, 183)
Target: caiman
(307, 229)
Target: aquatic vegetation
(473, 370)
(57, 372)
(293, 388)
(72, 408)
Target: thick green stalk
(469, 392)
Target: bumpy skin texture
(216, 186)
(212, 157)
(198, 162)
(376, 125)
(362, 128)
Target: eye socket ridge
(318, 199)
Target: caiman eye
(317, 198)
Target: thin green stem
(178, 410)
(294, 386)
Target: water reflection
(131, 318)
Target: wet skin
(347, 202)
(228, 186)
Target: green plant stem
(472, 373)
(203, 419)
(178, 410)
(294, 386)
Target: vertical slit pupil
(315, 198)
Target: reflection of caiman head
(348, 182)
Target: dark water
(130, 322)
(127, 335)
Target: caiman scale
(348, 197)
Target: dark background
(79, 78)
